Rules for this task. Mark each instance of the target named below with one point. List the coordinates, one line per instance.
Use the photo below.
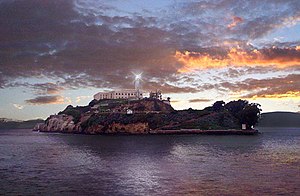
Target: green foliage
(156, 106)
(93, 120)
(75, 113)
(250, 114)
(236, 107)
(241, 111)
(93, 102)
(140, 107)
(218, 116)
(218, 106)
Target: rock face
(148, 116)
(59, 123)
(134, 128)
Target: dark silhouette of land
(151, 116)
(279, 119)
(15, 124)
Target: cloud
(273, 95)
(168, 88)
(259, 16)
(273, 88)
(18, 106)
(94, 44)
(235, 21)
(47, 88)
(66, 43)
(279, 57)
(199, 100)
(43, 100)
(80, 98)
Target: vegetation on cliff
(142, 116)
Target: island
(153, 116)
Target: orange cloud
(289, 94)
(279, 57)
(235, 21)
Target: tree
(236, 107)
(250, 115)
(218, 106)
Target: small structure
(155, 95)
(129, 111)
(167, 101)
(244, 126)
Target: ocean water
(34, 163)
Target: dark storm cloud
(42, 100)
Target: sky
(62, 52)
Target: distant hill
(280, 119)
(16, 124)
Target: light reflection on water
(42, 163)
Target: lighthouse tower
(137, 84)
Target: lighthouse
(137, 84)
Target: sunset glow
(57, 53)
(278, 57)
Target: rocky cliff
(135, 117)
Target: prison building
(120, 94)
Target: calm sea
(34, 163)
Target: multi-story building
(120, 94)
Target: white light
(138, 76)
